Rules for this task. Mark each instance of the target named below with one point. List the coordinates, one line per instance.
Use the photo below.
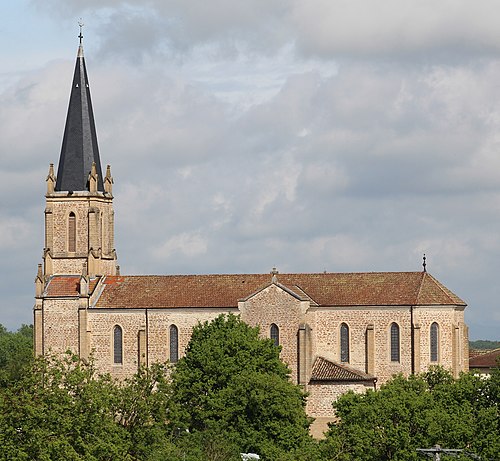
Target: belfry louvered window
(394, 342)
(434, 339)
(344, 343)
(117, 345)
(72, 232)
(174, 344)
(275, 334)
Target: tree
(61, 409)
(232, 382)
(416, 412)
(16, 353)
(143, 410)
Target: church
(337, 331)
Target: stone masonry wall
(322, 395)
(159, 322)
(101, 324)
(60, 325)
(274, 305)
(326, 324)
(327, 337)
(98, 225)
(154, 322)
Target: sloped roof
(329, 371)
(486, 360)
(79, 147)
(324, 289)
(66, 286)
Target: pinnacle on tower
(79, 147)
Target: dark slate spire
(79, 148)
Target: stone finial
(84, 281)
(93, 177)
(108, 181)
(117, 270)
(51, 180)
(39, 282)
(274, 273)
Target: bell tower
(79, 229)
(79, 216)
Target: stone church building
(338, 331)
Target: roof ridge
(442, 288)
(247, 274)
(322, 371)
(420, 287)
(306, 295)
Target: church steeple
(79, 216)
(79, 147)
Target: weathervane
(81, 24)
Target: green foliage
(142, 409)
(61, 409)
(233, 382)
(231, 394)
(417, 412)
(16, 353)
(484, 344)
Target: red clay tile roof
(64, 286)
(486, 360)
(476, 352)
(325, 289)
(327, 370)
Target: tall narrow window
(344, 343)
(117, 345)
(102, 233)
(434, 342)
(72, 232)
(174, 344)
(275, 334)
(394, 342)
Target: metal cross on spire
(80, 24)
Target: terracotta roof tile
(63, 286)
(325, 289)
(486, 360)
(327, 370)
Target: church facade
(337, 331)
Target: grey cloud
(302, 165)
(400, 29)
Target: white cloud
(185, 244)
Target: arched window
(275, 334)
(72, 232)
(344, 343)
(174, 344)
(434, 342)
(394, 342)
(117, 345)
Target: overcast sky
(308, 135)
